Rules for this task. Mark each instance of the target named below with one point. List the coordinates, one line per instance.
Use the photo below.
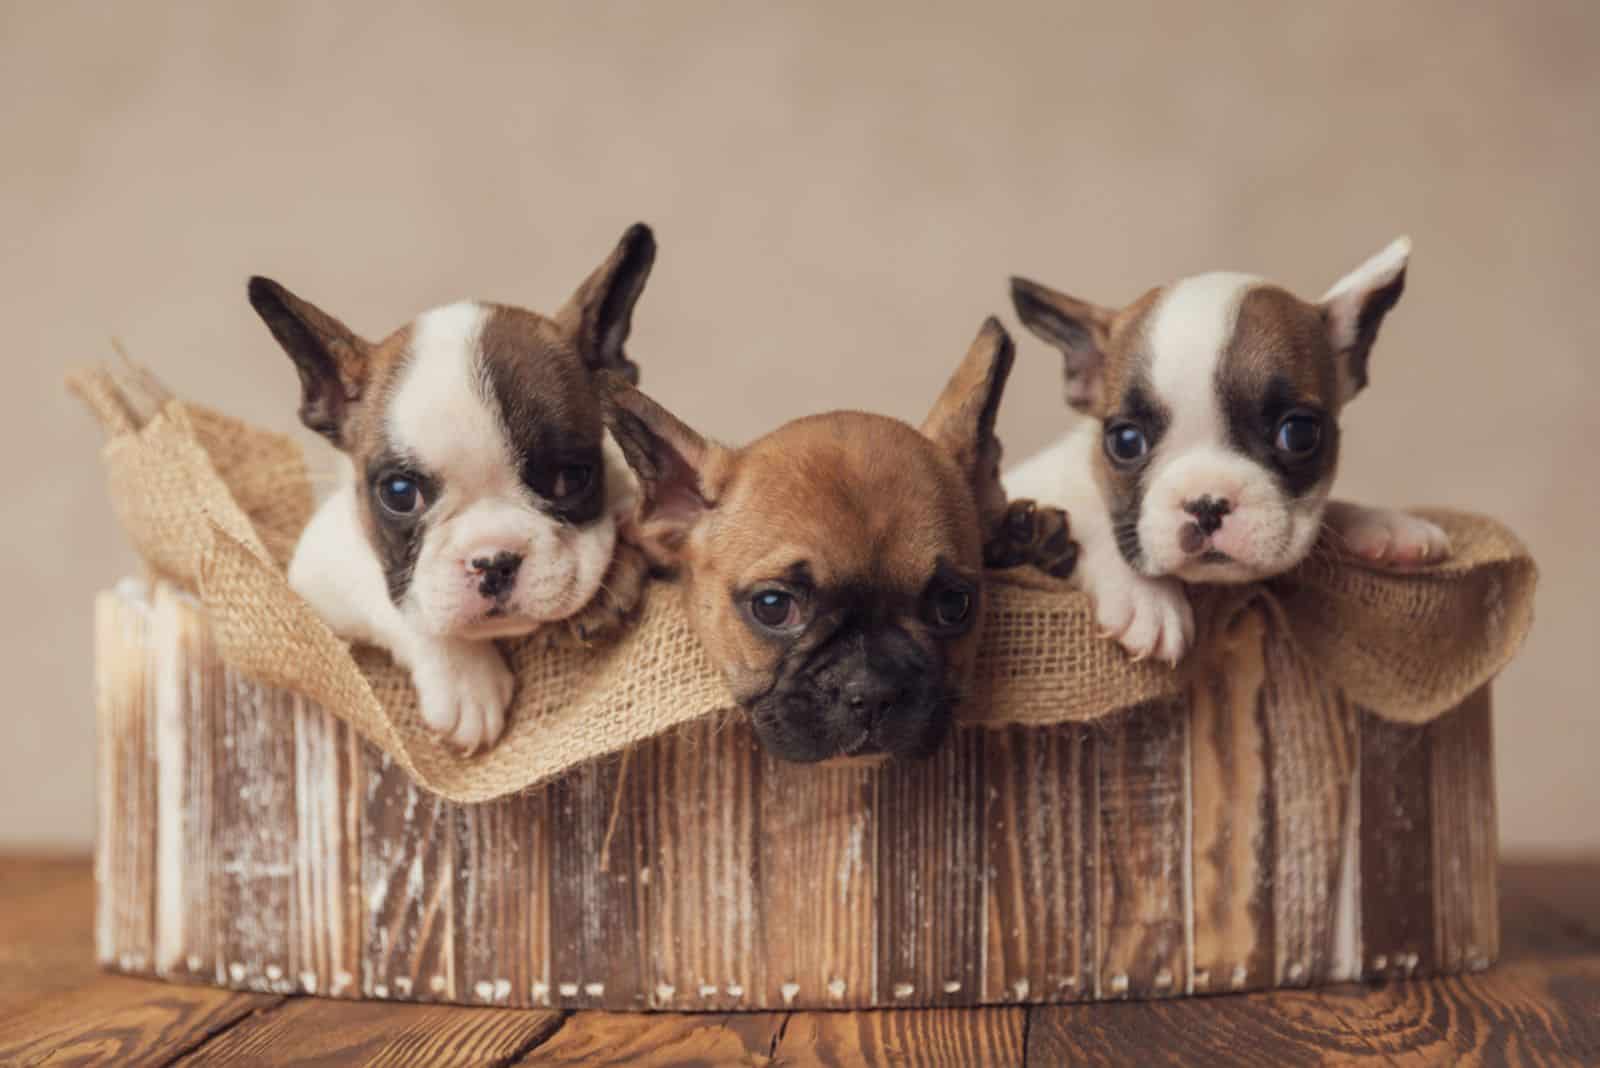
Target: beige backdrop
(840, 191)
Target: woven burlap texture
(215, 505)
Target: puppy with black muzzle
(486, 493)
(1213, 441)
(832, 569)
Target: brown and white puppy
(832, 569)
(486, 492)
(1214, 438)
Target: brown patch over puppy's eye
(572, 480)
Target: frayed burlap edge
(215, 505)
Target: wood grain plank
(701, 898)
(46, 927)
(1039, 827)
(1231, 850)
(817, 847)
(1274, 1030)
(931, 1038)
(1313, 742)
(658, 1040)
(329, 920)
(930, 860)
(599, 849)
(1396, 850)
(124, 729)
(125, 1022)
(1466, 931)
(191, 685)
(1143, 898)
(407, 874)
(310, 1031)
(1570, 888)
(501, 906)
(1544, 1012)
(253, 835)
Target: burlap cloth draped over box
(215, 505)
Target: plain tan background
(840, 191)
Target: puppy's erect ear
(331, 359)
(600, 314)
(962, 420)
(1355, 306)
(1079, 329)
(678, 470)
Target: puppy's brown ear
(1354, 309)
(962, 420)
(600, 314)
(1079, 329)
(677, 469)
(331, 359)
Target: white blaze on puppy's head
(1219, 397)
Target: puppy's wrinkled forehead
(484, 384)
(863, 499)
(1220, 335)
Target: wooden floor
(1540, 1005)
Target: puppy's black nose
(497, 575)
(1208, 512)
(871, 698)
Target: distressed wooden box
(1257, 833)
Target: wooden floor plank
(1534, 1013)
(316, 1031)
(125, 1022)
(1275, 1030)
(1571, 888)
(932, 1038)
(46, 928)
(601, 1040)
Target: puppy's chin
(803, 730)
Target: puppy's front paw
(463, 689)
(1387, 536)
(1033, 534)
(605, 617)
(1150, 617)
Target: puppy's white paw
(1387, 536)
(463, 690)
(1150, 617)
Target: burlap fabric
(215, 505)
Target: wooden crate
(1260, 832)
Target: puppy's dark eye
(1299, 434)
(775, 608)
(400, 494)
(572, 480)
(952, 607)
(1126, 443)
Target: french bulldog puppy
(1213, 439)
(832, 569)
(485, 492)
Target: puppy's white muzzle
(499, 570)
(1210, 515)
